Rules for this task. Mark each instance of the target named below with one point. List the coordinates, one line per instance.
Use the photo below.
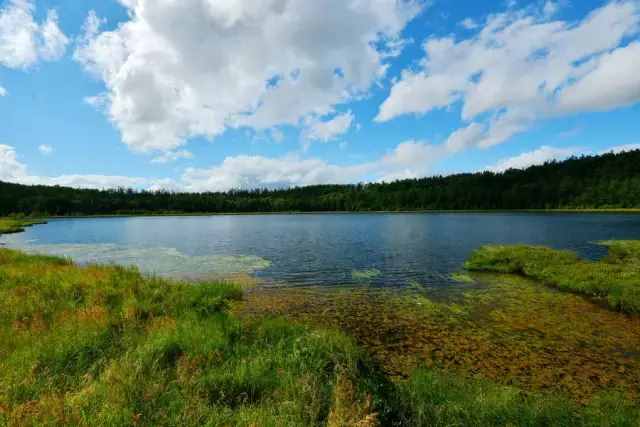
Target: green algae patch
(614, 279)
(166, 262)
(462, 277)
(509, 331)
(365, 275)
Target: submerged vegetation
(616, 278)
(608, 181)
(508, 330)
(106, 346)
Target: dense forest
(606, 181)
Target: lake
(377, 250)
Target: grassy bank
(16, 225)
(616, 278)
(106, 346)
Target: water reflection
(317, 249)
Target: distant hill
(605, 181)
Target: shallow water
(393, 282)
(373, 250)
(508, 329)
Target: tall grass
(106, 346)
(615, 278)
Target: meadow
(105, 345)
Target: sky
(212, 95)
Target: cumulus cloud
(621, 148)
(23, 41)
(10, 168)
(331, 129)
(464, 137)
(245, 172)
(522, 67)
(614, 81)
(409, 159)
(13, 170)
(45, 149)
(177, 70)
(536, 157)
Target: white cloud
(409, 159)
(93, 181)
(546, 153)
(191, 68)
(469, 24)
(23, 41)
(621, 148)
(45, 149)
(331, 129)
(522, 67)
(172, 156)
(245, 172)
(12, 170)
(613, 82)
(464, 137)
(536, 157)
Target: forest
(607, 181)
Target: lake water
(375, 250)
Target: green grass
(107, 346)
(16, 224)
(101, 345)
(616, 278)
(431, 398)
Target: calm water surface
(324, 249)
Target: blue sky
(211, 95)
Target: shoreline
(630, 211)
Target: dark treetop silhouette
(588, 182)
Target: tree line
(587, 182)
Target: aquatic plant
(616, 278)
(365, 275)
(462, 277)
(507, 329)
